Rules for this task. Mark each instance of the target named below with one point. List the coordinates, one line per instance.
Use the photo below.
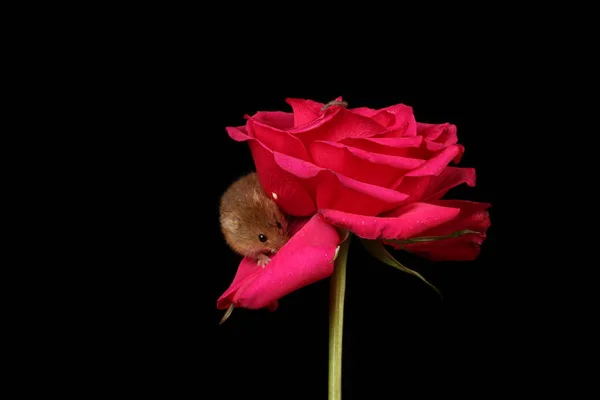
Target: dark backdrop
(153, 104)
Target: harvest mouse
(253, 225)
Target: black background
(131, 290)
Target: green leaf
(376, 248)
(432, 238)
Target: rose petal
(392, 117)
(276, 140)
(373, 168)
(473, 216)
(305, 259)
(449, 178)
(439, 133)
(334, 123)
(432, 187)
(338, 123)
(429, 150)
(246, 272)
(432, 147)
(405, 124)
(404, 116)
(238, 133)
(276, 128)
(414, 186)
(334, 190)
(384, 118)
(449, 135)
(399, 147)
(304, 110)
(436, 164)
(277, 119)
(347, 195)
(405, 222)
(437, 136)
(364, 111)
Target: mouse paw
(263, 260)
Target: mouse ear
(257, 195)
(230, 222)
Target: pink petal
(437, 136)
(414, 186)
(276, 126)
(405, 124)
(431, 187)
(299, 168)
(449, 135)
(404, 117)
(440, 133)
(364, 111)
(338, 123)
(449, 178)
(405, 222)
(373, 168)
(238, 133)
(333, 123)
(334, 190)
(399, 147)
(473, 216)
(277, 119)
(305, 259)
(392, 117)
(245, 273)
(280, 141)
(304, 110)
(428, 150)
(436, 164)
(384, 118)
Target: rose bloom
(376, 173)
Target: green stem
(336, 321)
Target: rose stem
(336, 321)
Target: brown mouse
(253, 225)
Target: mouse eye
(278, 224)
(262, 238)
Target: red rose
(376, 173)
